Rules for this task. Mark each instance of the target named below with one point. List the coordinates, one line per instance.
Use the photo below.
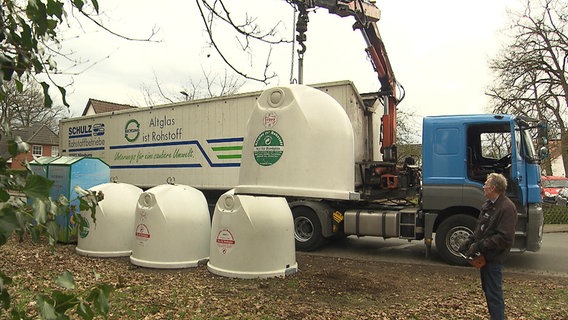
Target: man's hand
(473, 250)
(465, 245)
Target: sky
(438, 50)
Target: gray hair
(498, 181)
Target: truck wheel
(450, 234)
(307, 229)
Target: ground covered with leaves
(324, 288)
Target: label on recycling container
(270, 119)
(142, 234)
(225, 241)
(268, 148)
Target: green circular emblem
(268, 148)
(132, 130)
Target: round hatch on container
(172, 228)
(252, 237)
(110, 235)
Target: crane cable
(301, 28)
(292, 80)
(301, 24)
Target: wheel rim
(456, 237)
(303, 229)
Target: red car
(550, 187)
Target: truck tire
(307, 229)
(450, 234)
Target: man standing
(493, 238)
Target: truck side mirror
(543, 132)
(543, 152)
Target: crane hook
(302, 28)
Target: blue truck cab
(458, 153)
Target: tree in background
(30, 40)
(531, 71)
(209, 86)
(218, 19)
(25, 108)
(406, 127)
(408, 136)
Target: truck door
(502, 152)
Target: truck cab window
(488, 151)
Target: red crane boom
(366, 15)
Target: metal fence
(554, 214)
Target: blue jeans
(492, 285)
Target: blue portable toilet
(68, 172)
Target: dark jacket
(495, 230)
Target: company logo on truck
(86, 138)
(87, 130)
(132, 130)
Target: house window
(37, 150)
(54, 151)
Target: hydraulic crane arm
(366, 15)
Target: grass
(325, 288)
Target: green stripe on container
(229, 156)
(228, 148)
